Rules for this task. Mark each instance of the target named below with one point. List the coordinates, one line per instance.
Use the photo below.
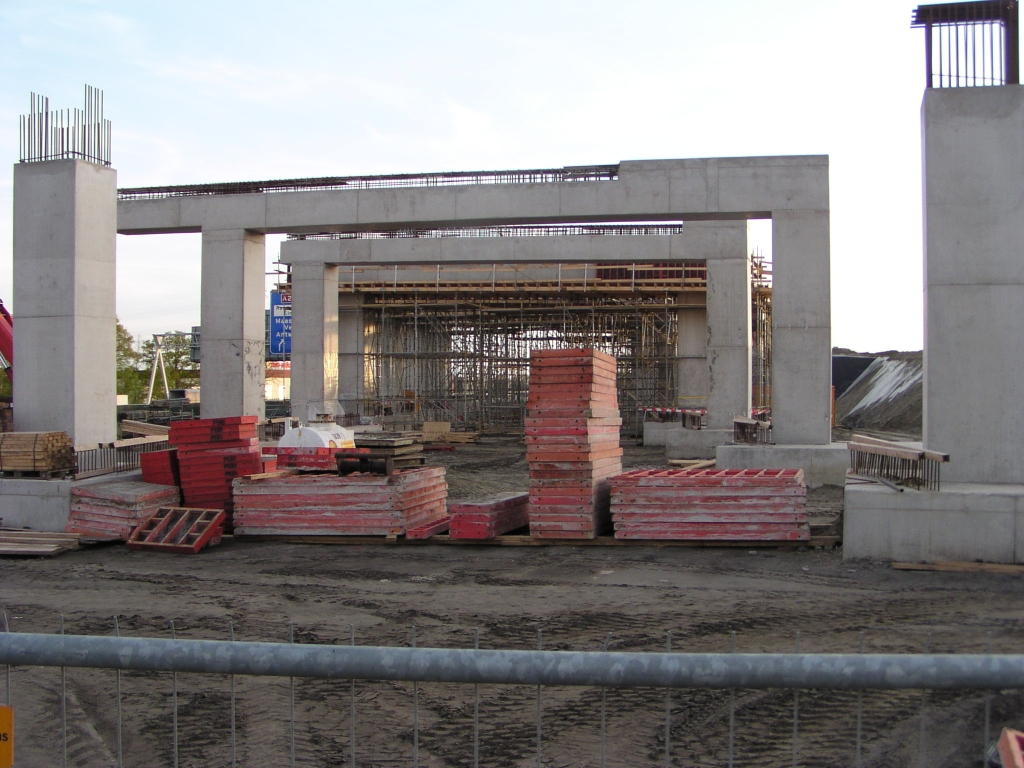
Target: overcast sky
(226, 91)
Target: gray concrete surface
(692, 375)
(973, 142)
(351, 351)
(963, 521)
(232, 369)
(39, 505)
(822, 464)
(693, 443)
(65, 215)
(314, 370)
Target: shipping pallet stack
(160, 467)
(361, 504)
(36, 454)
(111, 511)
(212, 453)
(711, 505)
(572, 441)
(405, 450)
(488, 518)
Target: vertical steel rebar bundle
(65, 134)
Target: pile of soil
(887, 396)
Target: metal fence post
(352, 705)
(7, 667)
(117, 633)
(291, 704)
(174, 703)
(540, 646)
(924, 706)
(63, 708)
(860, 711)
(796, 715)
(732, 707)
(988, 712)
(476, 707)
(231, 680)
(415, 714)
(604, 700)
(668, 709)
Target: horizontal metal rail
(512, 230)
(453, 178)
(563, 668)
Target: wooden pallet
(179, 530)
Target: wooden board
(954, 566)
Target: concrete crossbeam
(232, 369)
(65, 214)
(314, 369)
(646, 190)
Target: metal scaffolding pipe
(437, 665)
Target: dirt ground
(576, 595)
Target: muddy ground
(575, 595)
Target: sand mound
(886, 396)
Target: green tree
(182, 373)
(130, 379)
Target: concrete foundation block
(963, 521)
(39, 505)
(693, 443)
(822, 464)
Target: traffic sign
(280, 323)
(6, 737)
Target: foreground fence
(677, 673)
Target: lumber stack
(405, 449)
(212, 453)
(36, 452)
(572, 441)
(359, 504)
(160, 467)
(710, 504)
(111, 511)
(6, 418)
(441, 432)
(18, 543)
(488, 518)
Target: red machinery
(7, 339)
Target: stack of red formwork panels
(572, 441)
(359, 504)
(160, 467)
(212, 453)
(111, 511)
(711, 504)
(488, 518)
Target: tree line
(134, 361)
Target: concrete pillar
(351, 348)
(232, 359)
(65, 226)
(973, 142)
(726, 341)
(691, 351)
(314, 385)
(729, 335)
(801, 328)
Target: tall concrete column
(232, 355)
(973, 141)
(351, 349)
(691, 351)
(722, 245)
(65, 226)
(801, 328)
(314, 385)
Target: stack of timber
(17, 543)
(160, 467)
(36, 454)
(441, 432)
(6, 418)
(572, 441)
(143, 428)
(359, 504)
(111, 511)
(212, 453)
(711, 504)
(488, 518)
(405, 449)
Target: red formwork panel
(712, 505)
(112, 510)
(487, 518)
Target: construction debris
(955, 566)
(36, 454)
(491, 517)
(572, 441)
(405, 449)
(716, 504)
(182, 531)
(111, 511)
(213, 452)
(353, 505)
(15, 543)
